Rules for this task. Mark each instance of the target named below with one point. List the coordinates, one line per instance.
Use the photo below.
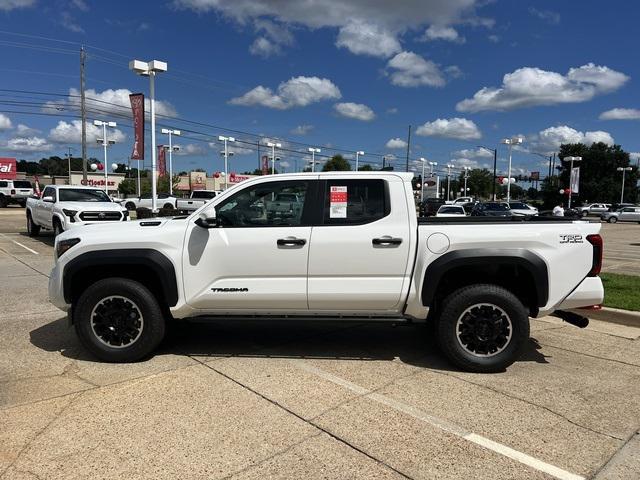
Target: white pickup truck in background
(352, 249)
(63, 207)
(15, 191)
(197, 199)
(164, 200)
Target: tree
(337, 163)
(128, 186)
(365, 168)
(599, 179)
(478, 182)
(163, 183)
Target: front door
(359, 257)
(257, 258)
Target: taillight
(596, 265)
(13, 192)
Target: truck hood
(92, 206)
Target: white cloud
(235, 148)
(453, 71)
(68, 22)
(8, 5)
(392, 110)
(358, 111)
(494, 38)
(191, 149)
(273, 37)
(23, 130)
(634, 156)
(439, 32)
(621, 114)
(550, 139)
(66, 132)
(473, 153)
(528, 87)
(411, 70)
(364, 27)
(108, 102)
(295, 92)
(302, 129)
(458, 128)
(80, 5)
(396, 143)
(546, 15)
(368, 39)
(5, 122)
(27, 145)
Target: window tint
(355, 202)
(200, 194)
(83, 195)
(265, 205)
(21, 184)
(49, 192)
(4, 184)
(457, 210)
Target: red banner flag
(137, 108)
(37, 189)
(8, 168)
(162, 161)
(265, 165)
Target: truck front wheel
(482, 328)
(119, 320)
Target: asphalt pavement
(283, 399)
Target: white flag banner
(575, 179)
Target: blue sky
(336, 75)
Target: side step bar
(572, 318)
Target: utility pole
(69, 158)
(83, 116)
(408, 147)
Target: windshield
(82, 195)
(21, 184)
(206, 195)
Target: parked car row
(467, 206)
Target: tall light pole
(431, 165)
(313, 157)
(495, 161)
(571, 160)
(105, 142)
(168, 131)
(466, 175)
(150, 69)
(424, 162)
(273, 146)
(449, 167)
(358, 153)
(226, 157)
(624, 170)
(511, 142)
(68, 155)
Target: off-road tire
(152, 327)
(33, 230)
(57, 227)
(453, 309)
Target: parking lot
(282, 399)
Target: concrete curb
(612, 315)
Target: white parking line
(23, 246)
(444, 425)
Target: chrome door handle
(386, 241)
(291, 242)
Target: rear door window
(355, 202)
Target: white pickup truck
(197, 199)
(64, 207)
(354, 251)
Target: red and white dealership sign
(7, 168)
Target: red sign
(137, 108)
(265, 165)
(338, 196)
(97, 183)
(7, 168)
(162, 161)
(234, 178)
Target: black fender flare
(520, 257)
(152, 259)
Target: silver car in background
(626, 214)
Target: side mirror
(206, 220)
(48, 199)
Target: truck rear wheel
(482, 328)
(119, 320)
(32, 229)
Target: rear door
(359, 255)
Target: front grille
(100, 216)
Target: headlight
(70, 213)
(64, 245)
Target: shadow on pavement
(413, 344)
(46, 238)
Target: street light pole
(105, 143)
(495, 162)
(510, 142)
(170, 133)
(571, 160)
(358, 153)
(226, 157)
(624, 170)
(424, 161)
(431, 165)
(466, 175)
(313, 157)
(273, 146)
(449, 167)
(69, 159)
(150, 69)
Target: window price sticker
(338, 202)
